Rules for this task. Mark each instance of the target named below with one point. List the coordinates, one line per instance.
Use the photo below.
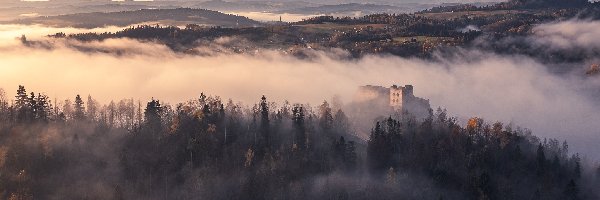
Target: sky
(312, 1)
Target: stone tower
(396, 96)
(400, 95)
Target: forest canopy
(213, 149)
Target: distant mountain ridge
(178, 16)
(547, 3)
(584, 5)
(366, 8)
(254, 6)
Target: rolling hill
(175, 17)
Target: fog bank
(513, 89)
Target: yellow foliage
(474, 123)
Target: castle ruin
(398, 98)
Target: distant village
(408, 35)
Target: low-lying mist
(470, 83)
(568, 34)
(269, 17)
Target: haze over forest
(177, 101)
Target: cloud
(568, 34)
(469, 28)
(562, 42)
(513, 89)
(11, 31)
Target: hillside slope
(179, 16)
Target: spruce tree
(79, 108)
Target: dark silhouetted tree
(379, 149)
(571, 191)
(43, 107)
(152, 116)
(263, 107)
(78, 108)
(22, 104)
(325, 117)
(299, 126)
(541, 160)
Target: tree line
(208, 148)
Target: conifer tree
(43, 107)
(79, 108)
(263, 107)
(326, 117)
(299, 126)
(22, 104)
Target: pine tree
(152, 115)
(339, 148)
(341, 123)
(263, 107)
(350, 157)
(377, 155)
(43, 107)
(33, 106)
(22, 104)
(325, 116)
(79, 109)
(577, 167)
(299, 126)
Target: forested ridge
(125, 18)
(209, 148)
(502, 28)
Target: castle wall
(398, 98)
(369, 93)
(416, 106)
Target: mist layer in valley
(469, 83)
